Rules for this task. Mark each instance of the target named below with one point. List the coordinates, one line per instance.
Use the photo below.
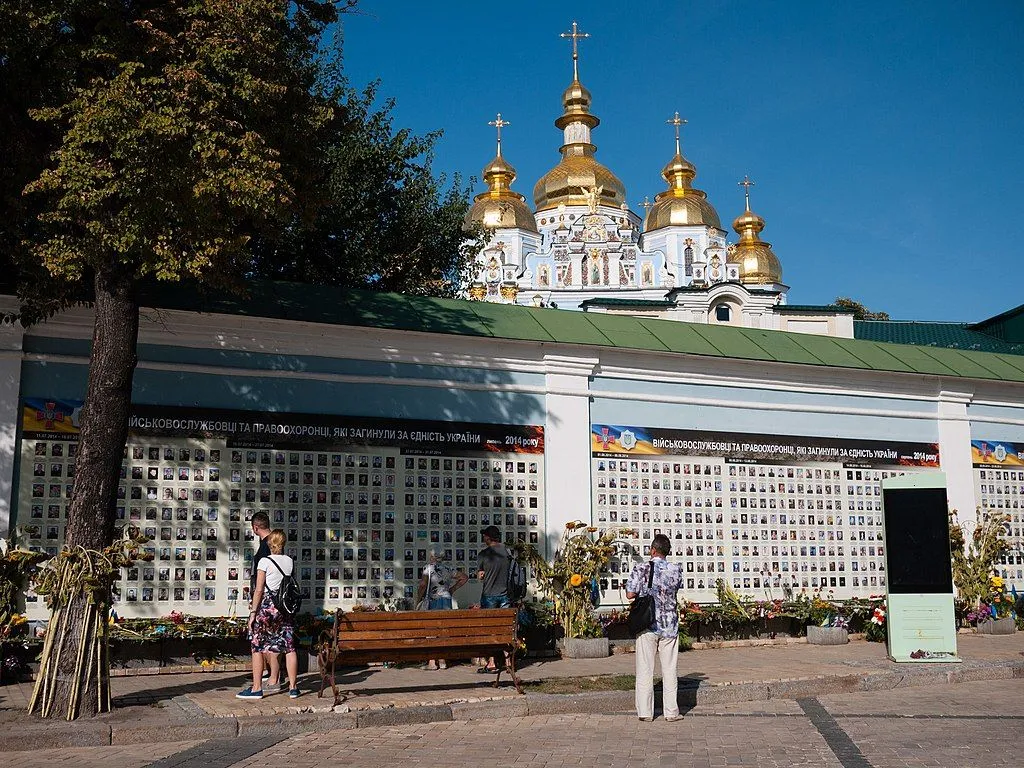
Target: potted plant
(826, 624)
(570, 583)
(995, 614)
(980, 587)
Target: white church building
(582, 248)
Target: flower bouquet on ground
(570, 581)
(875, 629)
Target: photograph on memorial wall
(999, 488)
(767, 514)
(363, 501)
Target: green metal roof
(950, 335)
(612, 302)
(1008, 325)
(337, 306)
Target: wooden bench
(365, 637)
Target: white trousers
(649, 645)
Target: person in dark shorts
(271, 661)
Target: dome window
(723, 313)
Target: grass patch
(582, 684)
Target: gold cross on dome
(575, 36)
(746, 184)
(499, 124)
(678, 122)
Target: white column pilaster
(11, 335)
(955, 453)
(567, 442)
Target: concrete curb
(60, 734)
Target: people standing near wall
(662, 638)
(493, 561)
(438, 584)
(270, 631)
(271, 661)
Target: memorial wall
(363, 501)
(371, 447)
(769, 515)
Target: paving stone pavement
(970, 724)
(131, 756)
(184, 696)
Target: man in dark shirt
(493, 562)
(271, 661)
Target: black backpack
(288, 597)
(517, 580)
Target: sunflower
(575, 580)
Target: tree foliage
(199, 140)
(385, 221)
(860, 312)
(169, 158)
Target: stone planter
(584, 647)
(827, 635)
(1003, 626)
(761, 628)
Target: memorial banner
(997, 453)
(621, 441)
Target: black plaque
(917, 541)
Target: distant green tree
(181, 131)
(384, 221)
(860, 312)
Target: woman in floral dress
(439, 581)
(269, 630)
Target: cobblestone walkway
(971, 724)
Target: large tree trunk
(75, 660)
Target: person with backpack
(271, 622)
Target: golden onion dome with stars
(681, 205)
(577, 171)
(757, 262)
(499, 207)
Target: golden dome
(499, 207)
(566, 182)
(757, 262)
(577, 171)
(681, 205)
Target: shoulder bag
(641, 610)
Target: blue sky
(886, 139)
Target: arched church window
(723, 313)
(688, 261)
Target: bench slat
(461, 613)
(345, 644)
(354, 658)
(500, 622)
(424, 633)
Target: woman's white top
(274, 577)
